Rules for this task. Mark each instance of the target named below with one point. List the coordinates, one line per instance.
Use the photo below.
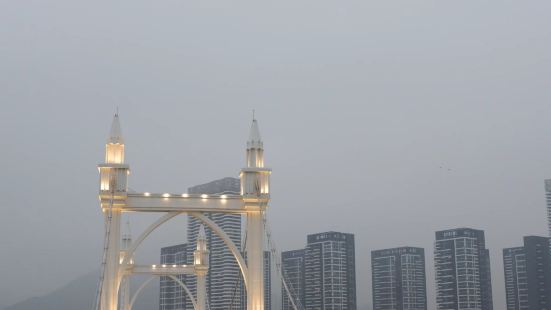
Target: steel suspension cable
(106, 240)
(297, 305)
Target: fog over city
(388, 120)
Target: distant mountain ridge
(79, 294)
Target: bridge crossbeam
(157, 202)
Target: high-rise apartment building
(516, 289)
(323, 275)
(398, 279)
(292, 265)
(172, 296)
(528, 275)
(330, 272)
(462, 265)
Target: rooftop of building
(458, 232)
(330, 236)
(398, 250)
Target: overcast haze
(389, 120)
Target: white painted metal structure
(115, 199)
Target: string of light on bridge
(202, 196)
(165, 266)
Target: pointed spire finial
(202, 234)
(253, 116)
(115, 135)
(255, 140)
(128, 233)
(126, 236)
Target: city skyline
(390, 121)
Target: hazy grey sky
(359, 103)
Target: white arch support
(138, 291)
(229, 243)
(212, 225)
(186, 289)
(130, 252)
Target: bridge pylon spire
(113, 195)
(255, 189)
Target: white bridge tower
(117, 262)
(255, 189)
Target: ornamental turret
(126, 237)
(255, 179)
(114, 149)
(201, 265)
(113, 172)
(126, 242)
(255, 147)
(201, 253)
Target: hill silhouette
(79, 294)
